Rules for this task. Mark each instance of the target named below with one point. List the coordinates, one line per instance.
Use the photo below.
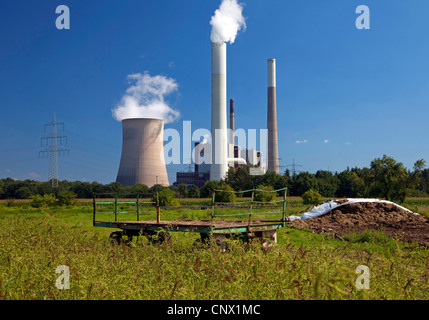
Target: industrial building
(142, 159)
(233, 156)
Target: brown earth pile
(393, 220)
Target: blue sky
(347, 95)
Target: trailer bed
(201, 226)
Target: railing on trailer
(118, 199)
(252, 202)
(219, 229)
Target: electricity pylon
(52, 150)
(294, 165)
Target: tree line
(385, 178)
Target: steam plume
(227, 21)
(145, 98)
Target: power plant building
(142, 159)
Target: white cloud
(301, 141)
(34, 175)
(171, 64)
(145, 99)
(348, 143)
(325, 141)
(8, 170)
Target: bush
(47, 200)
(206, 190)
(66, 198)
(166, 197)
(226, 197)
(183, 190)
(194, 192)
(265, 196)
(312, 197)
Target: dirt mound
(393, 220)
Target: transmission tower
(52, 150)
(294, 165)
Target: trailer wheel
(266, 244)
(116, 237)
(203, 241)
(158, 237)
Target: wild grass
(303, 265)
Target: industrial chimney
(231, 121)
(142, 159)
(219, 165)
(273, 151)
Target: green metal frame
(115, 203)
(252, 201)
(138, 225)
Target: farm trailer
(158, 231)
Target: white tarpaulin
(324, 208)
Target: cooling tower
(219, 165)
(142, 159)
(273, 151)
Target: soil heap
(395, 221)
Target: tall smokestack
(219, 165)
(142, 159)
(231, 121)
(273, 151)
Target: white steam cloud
(227, 21)
(145, 98)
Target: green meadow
(303, 265)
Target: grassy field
(304, 265)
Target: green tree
(23, 192)
(206, 190)
(416, 176)
(183, 190)
(139, 188)
(350, 185)
(388, 179)
(156, 188)
(82, 190)
(194, 191)
(302, 182)
(327, 183)
(116, 187)
(424, 182)
(239, 178)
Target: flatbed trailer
(218, 230)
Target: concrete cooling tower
(142, 159)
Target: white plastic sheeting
(326, 207)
